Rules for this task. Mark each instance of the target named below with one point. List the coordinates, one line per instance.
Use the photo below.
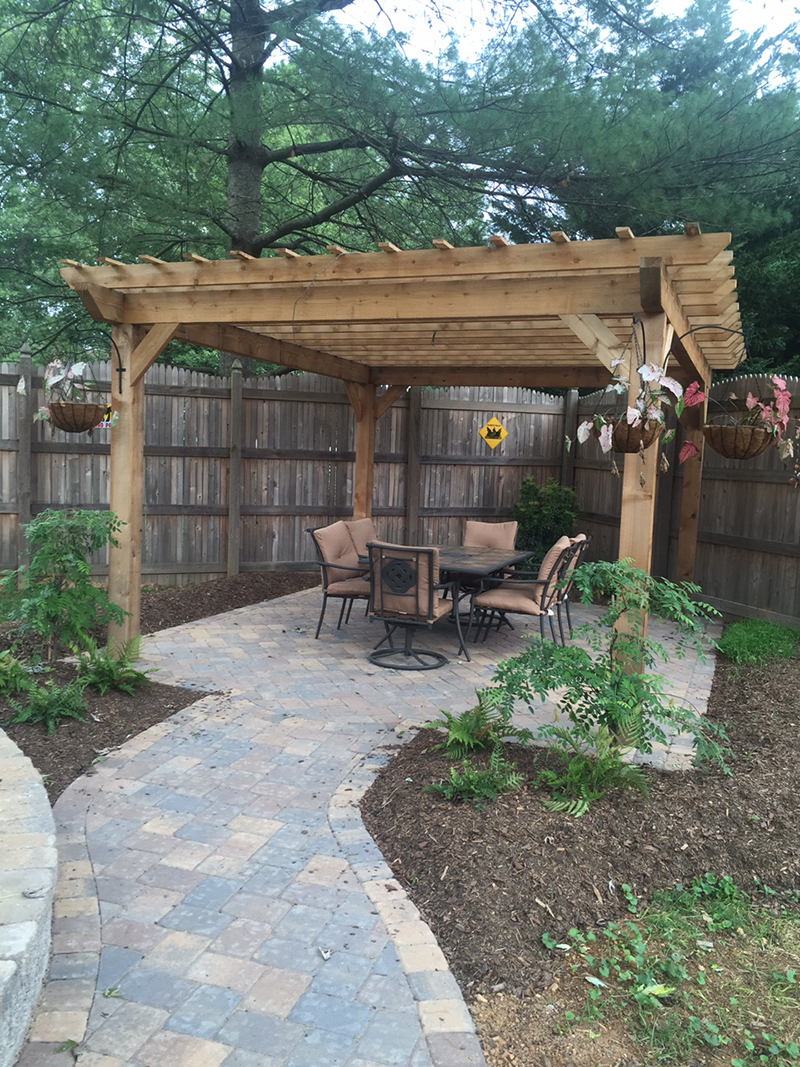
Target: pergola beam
(658, 295)
(269, 350)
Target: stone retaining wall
(28, 862)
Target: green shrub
(53, 596)
(49, 704)
(103, 670)
(609, 688)
(756, 641)
(544, 513)
(481, 727)
(476, 786)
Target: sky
(468, 19)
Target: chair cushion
(490, 534)
(361, 531)
(517, 597)
(336, 548)
(349, 587)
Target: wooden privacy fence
(237, 469)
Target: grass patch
(699, 973)
(756, 641)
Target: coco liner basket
(627, 438)
(737, 442)
(76, 418)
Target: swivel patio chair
(408, 595)
(526, 593)
(343, 578)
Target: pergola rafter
(558, 314)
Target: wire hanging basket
(628, 438)
(737, 442)
(76, 418)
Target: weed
(49, 704)
(699, 969)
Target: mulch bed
(491, 883)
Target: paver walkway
(219, 901)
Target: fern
(49, 704)
(586, 776)
(483, 726)
(102, 670)
(476, 786)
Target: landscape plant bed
(492, 883)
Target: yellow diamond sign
(493, 433)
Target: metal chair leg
(341, 614)
(321, 614)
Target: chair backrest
(335, 548)
(580, 543)
(362, 531)
(490, 534)
(403, 582)
(551, 570)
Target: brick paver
(219, 902)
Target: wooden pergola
(544, 316)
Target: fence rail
(236, 471)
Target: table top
(458, 558)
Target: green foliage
(544, 513)
(483, 726)
(756, 641)
(476, 786)
(698, 970)
(49, 704)
(588, 771)
(105, 670)
(56, 599)
(607, 691)
(13, 676)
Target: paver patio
(219, 900)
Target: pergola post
(639, 476)
(692, 422)
(134, 351)
(362, 400)
(127, 485)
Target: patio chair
(408, 595)
(581, 544)
(526, 593)
(343, 578)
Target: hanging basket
(627, 438)
(737, 442)
(76, 418)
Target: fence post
(413, 487)
(24, 458)
(235, 471)
(570, 431)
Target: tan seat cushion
(349, 587)
(517, 597)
